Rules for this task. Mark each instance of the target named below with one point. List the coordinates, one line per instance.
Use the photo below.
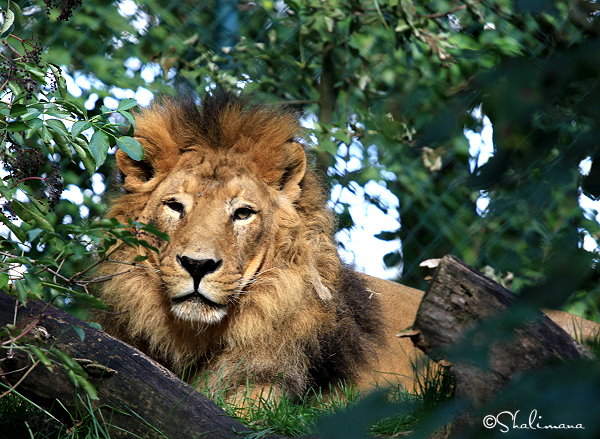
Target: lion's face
(220, 223)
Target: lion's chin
(198, 312)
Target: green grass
(18, 418)
(22, 419)
(435, 386)
(290, 417)
(593, 344)
(293, 417)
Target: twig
(25, 375)
(29, 327)
(15, 51)
(72, 280)
(60, 266)
(12, 371)
(102, 278)
(60, 276)
(10, 255)
(443, 14)
(28, 178)
(296, 102)
(380, 14)
(10, 351)
(95, 264)
(5, 82)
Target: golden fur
(230, 185)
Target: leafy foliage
(47, 251)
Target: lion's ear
(137, 175)
(294, 168)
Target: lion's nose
(198, 268)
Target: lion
(250, 285)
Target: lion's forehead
(202, 180)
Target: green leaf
(67, 362)
(33, 234)
(28, 213)
(89, 300)
(15, 88)
(128, 116)
(18, 13)
(79, 331)
(80, 126)
(73, 107)
(45, 135)
(41, 205)
(41, 356)
(84, 153)
(99, 147)
(132, 147)
(17, 126)
(126, 104)
(57, 126)
(63, 144)
(34, 284)
(76, 373)
(58, 113)
(19, 233)
(20, 286)
(3, 279)
(18, 109)
(34, 71)
(35, 124)
(9, 19)
(326, 145)
(95, 325)
(152, 229)
(88, 387)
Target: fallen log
(458, 299)
(138, 395)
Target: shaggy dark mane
(211, 122)
(346, 349)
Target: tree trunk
(136, 394)
(458, 299)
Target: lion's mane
(284, 328)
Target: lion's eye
(243, 213)
(175, 206)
